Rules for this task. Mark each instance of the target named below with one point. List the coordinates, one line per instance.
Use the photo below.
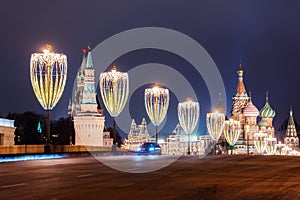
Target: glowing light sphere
(232, 130)
(260, 142)
(215, 124)
(114, 89)
(48, 74)
(271, 146)
(156, 104)
(188, 115)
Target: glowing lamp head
(48, 74)
(48, 48)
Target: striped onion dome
(267, 111)
(263, 123)
(250, 110)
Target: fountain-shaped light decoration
(48, 74)
(156, 104)
(271, 146)
(114, 89)
(260, 142)
(188, 115)
(232, 130)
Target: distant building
(177, 143)
(7, 132)
(291, 139)
(87, 114)
(137, 135)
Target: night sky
(265, 35)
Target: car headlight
(151, 149)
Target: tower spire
(240, 90)
(89, 61)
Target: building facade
(138, 135)
(7, 132)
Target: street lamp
(232, 130)
(48, 74)
(259, 142)
(114, 89)
(156, 104)
(271, 146)
(215, 125)
(188, 115)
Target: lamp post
(188, 115)
(156, 104)
(232, 130)
(215, 125)
(271, 146)
(259, 142)
(48, 74)
(114, 89)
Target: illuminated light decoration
(260, 142)
(279, 147)
(188, 115)
(32, 157)
(286, 150)
(156, 104)
(232, 130)
(48, 74)
(271, 146)
(114, 89)
(215, 125)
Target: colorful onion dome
(267, 111)
(250, 110)
(263, 123)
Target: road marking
(14, 185)
(84, 175)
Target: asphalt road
(214, 177)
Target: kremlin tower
(87, 114)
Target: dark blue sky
(264, 34)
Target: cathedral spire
(240, 89)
